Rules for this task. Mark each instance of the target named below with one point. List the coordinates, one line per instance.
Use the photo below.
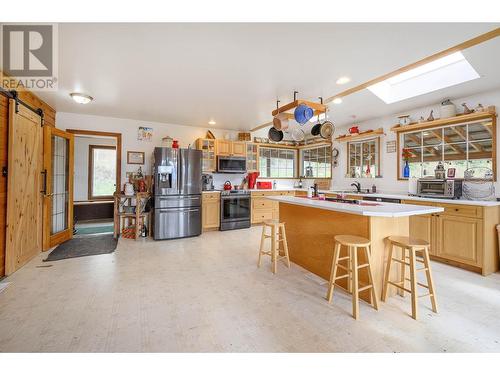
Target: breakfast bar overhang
(312, 224)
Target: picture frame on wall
(135, 157)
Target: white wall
(389, 182)
(128, 128)
(81, 175)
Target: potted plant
(406, 154)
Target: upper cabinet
(207, 146)
(363, 158)
(230, 148)
(252, 157)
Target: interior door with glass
(58, 187)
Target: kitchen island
(312, 224)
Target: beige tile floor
(206, 294)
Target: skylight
(438, 74)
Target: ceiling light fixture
(343, 80)
(81, 98)
(438, 74)
(337, 100)
(212, 122)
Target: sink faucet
(357, 185)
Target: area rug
(84, 246)
(95, 230)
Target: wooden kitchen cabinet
(230, 148)
(463, 235)
(459, 239)
(252, 157)
(207, 146)
(210, 211)
(223, 147)
(265, 209)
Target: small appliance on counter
(207, 182)
(227, 185)
(439, 188)
(264, 185)
(252, 179)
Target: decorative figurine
(479, 108)
(421, 119)
(467, 110)
(431, 116)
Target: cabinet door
(459, 239)
(223, 147)
(211, 214)
(421, 226)
(239, 149)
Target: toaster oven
(439, 188)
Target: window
(102, 172)
(316, 162)
(277, 162)
(438, 74)
(461, 146)
(363, 158)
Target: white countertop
(378, 209)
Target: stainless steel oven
(439, 188)
(235, 207)
(231, 164)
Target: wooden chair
(277, 235)
(418, 252)
(352, 268)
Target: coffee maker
(207, 182)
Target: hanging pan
(315, 129)
(275, 135)
(327, 128)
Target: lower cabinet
(210, 211)
(462, 235)
(265, 209)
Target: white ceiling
(189, 73)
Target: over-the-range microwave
(439, 188)
(231, 164)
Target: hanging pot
(327, 128)
(303, 113)
(275, 135)
(280, 121)
(315, 128)
(298, 135)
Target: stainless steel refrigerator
(177, 193)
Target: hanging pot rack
(317, 107)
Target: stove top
(235, 192)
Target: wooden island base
(311, 231)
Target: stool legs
(262, 243)
(274, 242)
(285, 244)
(354, 282)
(401, 292)
(387, 272)
(430, 282)
(333, 273)
(370, 279)
(413, 284)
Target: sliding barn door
(24, 187)
(58, 190)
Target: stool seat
(348, 240)
(408, 241)
(271, 222)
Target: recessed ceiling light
(81, 98)
(337, 100)
(343, 80)
(438, 74)
(212, 122)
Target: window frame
(377, 164)
(301, 171)
(295, 161)
(91, 173)
(400, 134)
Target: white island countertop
(364, 209)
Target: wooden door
(24, 186)
(223, 147)
(58, 165)
(459, 239)
(239, 149)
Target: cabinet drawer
(419, 203)
(210, 196)
(462, 210)
(263, 204)
(264, 193)
(258, 216)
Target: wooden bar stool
(352, 268)
(418, 252)
(277, 235)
